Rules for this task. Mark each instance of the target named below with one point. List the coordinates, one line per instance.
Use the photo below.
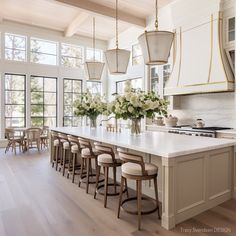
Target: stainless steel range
(192, 131)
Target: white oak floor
(35, 200)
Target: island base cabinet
(195, 183)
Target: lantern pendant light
(117, 59)
(156, 44)
(94, 68)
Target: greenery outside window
(95, 87)
(14, 100)
(72, 92)
(43, 101)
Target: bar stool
(76, 155)
(65, 162)
(134, 168)
(56, 146)
(87, 154)
(106, 159)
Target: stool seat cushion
(135, 169)
(66, 145)
(56, 142)
(107, 158)
(86, 152)
(74, 148)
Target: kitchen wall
(216, 109)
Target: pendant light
(156, 44)
(117, 59)
(94, 68)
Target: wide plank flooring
(35, 200)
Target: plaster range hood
(201, 64)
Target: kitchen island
(195, 173)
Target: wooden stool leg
(126, 187)
(81, 172)
(87, 178)
(74, 156)
(106, 186)
(97, 179)
(64, 162)
(56, 158)
(69, 164)
(114, 178)
(120, 197)
(139, 198)
(157, 200)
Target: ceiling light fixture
(94, 67)
(156, 44)
(117, 59)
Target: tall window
(14, 100)
(43, 101)
(72, 92)
(137, 58)
(98, 54)
(71, 55)
(95, 87)
(43, 51)
(15, 47)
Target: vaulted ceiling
(75, 16)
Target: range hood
(200, 62)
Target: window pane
(77, 86)
(50, 85)
(36, 97)
(36, 84)
(51, 122)
(36, 110)
(68, 111)
(94, 87)
(90, 53)
(36, 121)
(137, 60)
(67, 85)
(232, 23)
(43, 46)
(77, 121)
(68, 99)
(50, 98)
(14, 82)
(15, 122)
(71, 62)
(15, 47)
(136, 50)
(50, 110)
(76, 96)
(14, 110)
(43, 59)
(68, 121)
(14, 97)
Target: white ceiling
(59, 16)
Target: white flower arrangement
(90, 105)
(136, 104)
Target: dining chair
(44, 137)
(14, 139)
(32, 136)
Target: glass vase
(93, 121)
(135, 126)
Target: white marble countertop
(155, 143)
(227, 131)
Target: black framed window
(43, 51)
(94, 87)
(15, 100)
(72, 92)
(43, 101)
(15, 47)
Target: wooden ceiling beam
(105, 11)
(75, 24)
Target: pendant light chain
(93, 38)
(156, 21)
(117, 24)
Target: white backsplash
(216, 109)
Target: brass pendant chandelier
(156, 44)
(94, 68)
(117, 59)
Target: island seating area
(192, 178)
